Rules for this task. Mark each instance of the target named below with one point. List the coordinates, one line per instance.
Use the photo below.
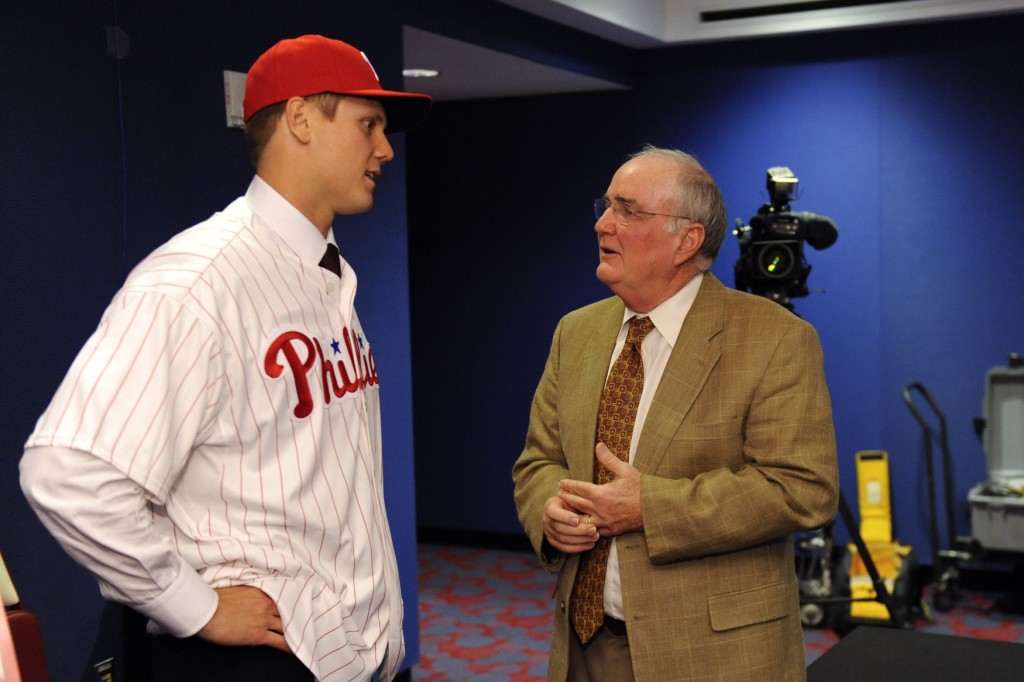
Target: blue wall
(909, 138)
(103, 160)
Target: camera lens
(776, 261)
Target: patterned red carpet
(486, 615)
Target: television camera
(771, 261)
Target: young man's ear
(296, 118)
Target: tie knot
(332, 259)
(638, 329)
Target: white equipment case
(997, 505)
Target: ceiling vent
(731, 19)
(711, 12)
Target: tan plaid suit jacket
(738, 453)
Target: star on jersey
(294, 355)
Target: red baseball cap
(312, 64)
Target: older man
(680, 434)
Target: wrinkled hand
(245, 616)
(614, 508)
(565, 528)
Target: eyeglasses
(624, 213)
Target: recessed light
(421, 73)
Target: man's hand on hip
(245, 616)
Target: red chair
(22, 658)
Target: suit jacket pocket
(746, 607)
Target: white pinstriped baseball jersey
(231, 379)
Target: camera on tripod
(771, 261)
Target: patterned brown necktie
(614, 429)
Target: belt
(615, 626)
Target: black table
(878, 653)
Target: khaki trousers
(605, 658)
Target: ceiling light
(421, 73)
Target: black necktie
(331, 260)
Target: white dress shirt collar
(668, 316)
(288, 222)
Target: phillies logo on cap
(370, 65)
(311, 65)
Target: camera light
(776, 260)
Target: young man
(671, 522)
(213, 455)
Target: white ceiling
(473, 72)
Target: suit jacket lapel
(598, 342)
(693, 357)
